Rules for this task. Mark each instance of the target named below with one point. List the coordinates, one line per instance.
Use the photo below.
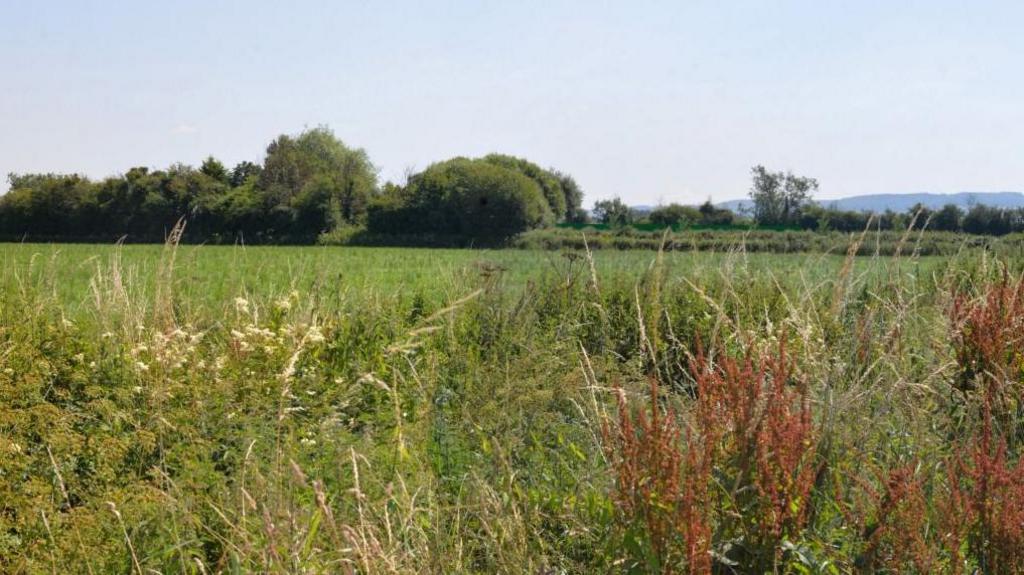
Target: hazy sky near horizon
(651, 101)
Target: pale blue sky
(652, 101)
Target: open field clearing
(211, 409)
(207, 278)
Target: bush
(462, 197)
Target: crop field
(217, 409)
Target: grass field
(211, 276)
(207, 409)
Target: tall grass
(508, 412)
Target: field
(215, 409)
(208, 278)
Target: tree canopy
(613, 212)
(779, 196)
(316, 182)
(473, 198)
(308, 183)
(312, 183)
(674, 215)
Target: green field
(214, 409)
(209, 277)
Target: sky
(654, 102)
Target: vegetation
(779, 197)
(312, 188)
(549, 183)
(755, 240)
(614, 212)
(224, 409)
(477, 199)
(309, 186)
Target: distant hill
(903, 202)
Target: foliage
(713, 216)
(311, 187)
(661, 489)
(674, 215)
(477, 199)
(613, 212)
(308, 184)
(779, 196)
(754, 240)
(318, 180)
(574, 211)
(242, 409)
(982, 219)
(549, 182)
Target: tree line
(782, 199)
(313, 186)
(308, 185)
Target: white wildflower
(314, 335)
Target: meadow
(208, 278)
(218, 409)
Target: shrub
(462, 197)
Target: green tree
(779, 196)
(948, 218)
(549, 183)
(44, 204)
(313, 182)
(574, 211)
(674, 215)
(921, 216)
(243, 172)
(982, 219)
(714, 216)
(613, 212)
(215, 170)
(462, 197)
